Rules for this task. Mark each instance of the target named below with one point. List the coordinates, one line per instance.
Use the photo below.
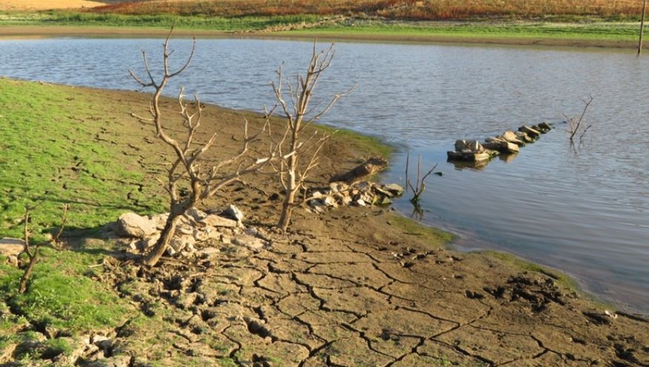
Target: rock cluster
(507, 143)
(361, 193)
(200, 229)
(142, 232)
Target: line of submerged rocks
(507, 143)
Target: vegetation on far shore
(482, 19)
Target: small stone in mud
(473, 295)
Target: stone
(544, 127)
(511, 137)
(371, 166)
(217, 221)
(502, 147)
(338, 187)
(196, 214)
(494, 139)
(317, 206)
(472, 146)
(381, 200)
(11, 246)
(524, 137)
(346, 200)
(380, 192)
(330, 202)
(534, 134)
(160, 220)
(395, 189)
(468, 157)
(233, 212)
(148, 242)
(134, 225)
(181, 243)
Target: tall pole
(644, 13)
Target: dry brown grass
(408, 9)
(22, 5)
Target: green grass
(576, 30)
(563, 279)
(56, 149)
(434, 236)
(365, 144)
(230, 24)
(62, 296)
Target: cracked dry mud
(340, 300)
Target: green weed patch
(59, 146)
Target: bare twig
(576, 125)
(420, 184)
(32, 252)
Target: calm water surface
(584, 212)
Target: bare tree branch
(298, 156)
(186, 167)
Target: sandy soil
(349, 287)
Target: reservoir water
(584, 211)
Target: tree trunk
(22, 288)
(166, 235)
(287, 210)
(291, 187)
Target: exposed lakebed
(584, 212)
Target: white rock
(160, 220)
(330, 202)
(134, 225)
(233, 212)
(181, 243)
(196, 214)
(214, 220)
(148, 242)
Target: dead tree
(299, 154)
(32, 252)
(420, 183)
(203, 182)
(577, 125)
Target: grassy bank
(584, 31)
(60, 145)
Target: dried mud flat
(330, 293)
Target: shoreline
(46, 31)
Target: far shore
(35, 32)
